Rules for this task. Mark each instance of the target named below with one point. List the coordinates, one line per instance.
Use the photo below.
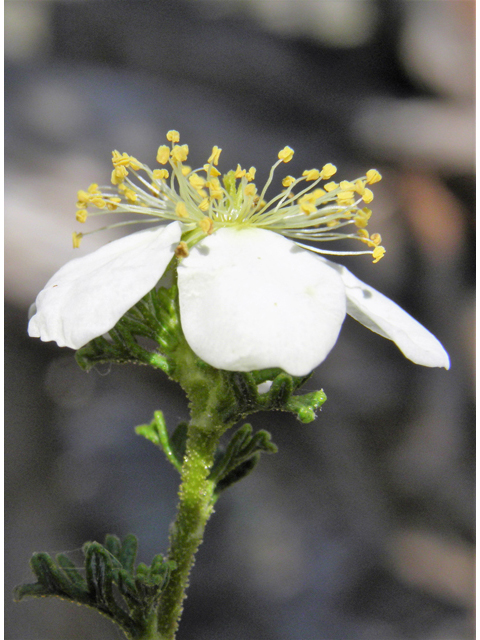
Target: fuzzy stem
(194, 510)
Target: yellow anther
(130, 195)
(76, 237)
(99, 202)
(239, 173)
(378, 254)
(330, 186)
(376, 238)
(346, 185)
(366, 212)
(173, 136)
(160, 174)
(93, 188)
(288, 181)
(204, 204)
(250, 190)
(180, 152)
(343, 196)
(119, 174)
(215, 187)
(367, 196)
(359, 187)
(318, 193)
(182, 250)
(363, 233)
(307, 208)
(206, 225)
(181, 210)
(373, 176)
(124, 160)
(311, 174)
(286, 154)
(308, 197)
(211, 171)
(186, 170)
(360, 221)
(83, 198)
(196, 181)
(81, 215)
(250, 175)
(112, 203)
(163, 154)
(116, 157)
(328, 171)
(213, 159)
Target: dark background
(361, 527)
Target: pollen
(119, 174)
(180, 152)
(76, 238)
(124, 160)
(196, 181)
(250, 175)
(215, 188)
(112, 203)
(206, 225)
(81, 215)
(367, 196)
(160, 174)
(373, 176)
(204, 205)
(311, 174)
(288, 181)
(239, 173)
(211, 171)
(330, 186)
(181, 210)
(182, 250)
(286, 154)
(328, 171)
(213, 159)
(173, 136)
(163, 154)
(378, 254)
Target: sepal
(155, 317)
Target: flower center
(303, 211)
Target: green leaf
(107, 568)
(240, 456)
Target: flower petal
(251, 299)
(88, 295)
(381, 315)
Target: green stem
(194, 510)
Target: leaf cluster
(110, 583)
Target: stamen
(202, 205)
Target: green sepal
(240, 456)
(109, 569)
(154, 317)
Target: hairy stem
(194, 510)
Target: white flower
(250, 298)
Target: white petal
(251, 299)
(88, 295)
(380, 314)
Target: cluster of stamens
(202, 203)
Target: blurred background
(362, 526)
